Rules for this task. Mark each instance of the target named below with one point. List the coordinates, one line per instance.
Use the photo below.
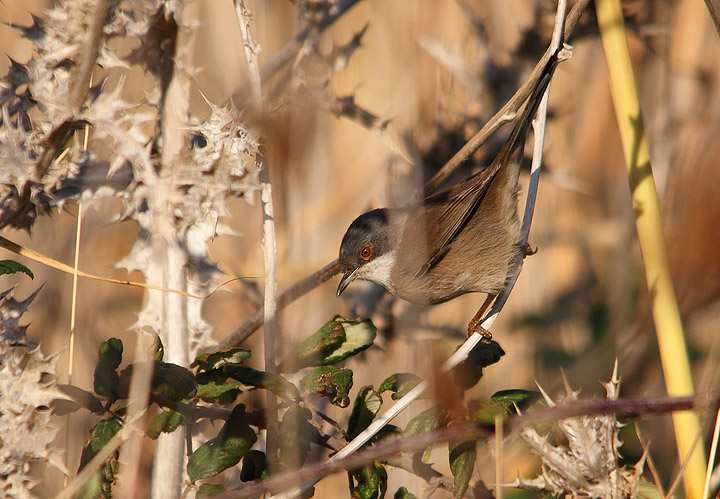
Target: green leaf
(516, 399)
(209, 490)
(106, 380)
(171, 380)
(337, 340)
(80, 399)
(366, 406)
(370, 482)
(216, 386)
(331, 382)
(167, 421)
(502, 403)
(402, 493)
(469, 371)
(428, 420)
(11, 267)
(214, 360)
(224, 451)
(295, 435)
(273, 382)
(254, 466)
(100, 485)
(462, 463)
(399, 384)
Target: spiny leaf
(167, 421)
(400, 384)
(214, 360)
(11, 267)
(273, 382)
(331, 382)
(220, 453)
(366, 406)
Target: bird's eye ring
(366, 252)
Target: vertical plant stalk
(169, 263)
(251, 50)
(671, 340)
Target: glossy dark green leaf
(167, 421)
(365, 408)
(254, 466)
(516, 399)
(224, 451)
(209, 490)
(273, 382)
(216, 386)
(295, 435)
(370, 481)
(428, 420)
(337, 340)
(469, 371)
(403, 493)
(171, 380)
(106, 380)
(80, 399)
(11, 267)
(100, 485)
(214, 360)
(462, 463)
(331, 382)
(399, 384)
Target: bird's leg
(474, 326)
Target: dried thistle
(27, 388)
(588, 466)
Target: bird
(465, 239)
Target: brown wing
(463, 204)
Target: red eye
(366, 252)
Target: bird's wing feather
(465, 202)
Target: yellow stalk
(668, 326)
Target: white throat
(379, 270)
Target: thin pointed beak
(347, 278)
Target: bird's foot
(527, 249)
(476, 327)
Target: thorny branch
(621, 408)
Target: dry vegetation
(423, 76)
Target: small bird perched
(462, 240)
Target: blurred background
(437, 71)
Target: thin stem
(622, 408)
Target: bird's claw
(476, 327)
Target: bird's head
(367, 250)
